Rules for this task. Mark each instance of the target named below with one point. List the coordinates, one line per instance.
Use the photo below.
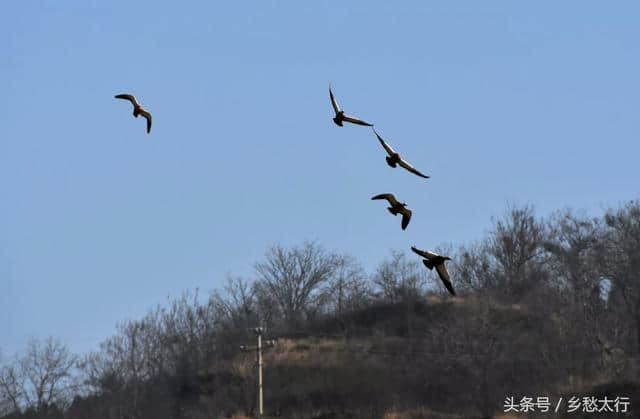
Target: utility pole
(269, 343)
(258, 332)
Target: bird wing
(406, 165)
(130, 98)
(444, 277)
(356, 121)
(334, 102)
(386, 146)
(406, 217)
(148, 116)
(424, 253)
(389, 197)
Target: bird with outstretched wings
(396, 208)
(340, 115)
(394, 158)
(137, 108)
(433, 260)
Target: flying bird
(396, 208)
(137, 108)
(394, 158)
(341, 117)
(432, 260)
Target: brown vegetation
(545, 307)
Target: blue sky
(500, 102)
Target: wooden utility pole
(269, 343)
(258, 331)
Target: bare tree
(572, 243)
(510, 261)
(10, 389)
(41, 379)
(163, 351)
(620, 262)
(401, 281)
(573, 246)
(238, 305)
(267, 306)
(296, 278)
(349, 289)
(516, 246)
(473, 269)
(398, 278)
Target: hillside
(424, 359)
(545, 309)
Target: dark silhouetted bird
(341, 117)
(396, 208)
(394, 158)
(137, 108)
(432, 260)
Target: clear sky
(499, 101)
